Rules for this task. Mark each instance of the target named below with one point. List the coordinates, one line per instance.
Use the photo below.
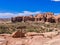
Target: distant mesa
(44, 17)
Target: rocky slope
(7, 39)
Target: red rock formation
(46, 17)
(39, 17)
(17, 19)
(49, 17)
(57, 18)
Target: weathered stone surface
(37, 39)
(30, 34)
(53, 42)
(50, 34)
(18, 33)
(3, 41)
(19, 43)
(46, 35)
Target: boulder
(18, 34)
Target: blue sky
(9, 8)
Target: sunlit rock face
(45, 17)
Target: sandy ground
(36, 40)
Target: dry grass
(30, 27)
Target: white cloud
(6, 15)
(29, 13)
(55, 0)
(24, 13)
(56, 13)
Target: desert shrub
(31, 27)
(5, 29)
(36, 23)
(32, 30)
(49, 30)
